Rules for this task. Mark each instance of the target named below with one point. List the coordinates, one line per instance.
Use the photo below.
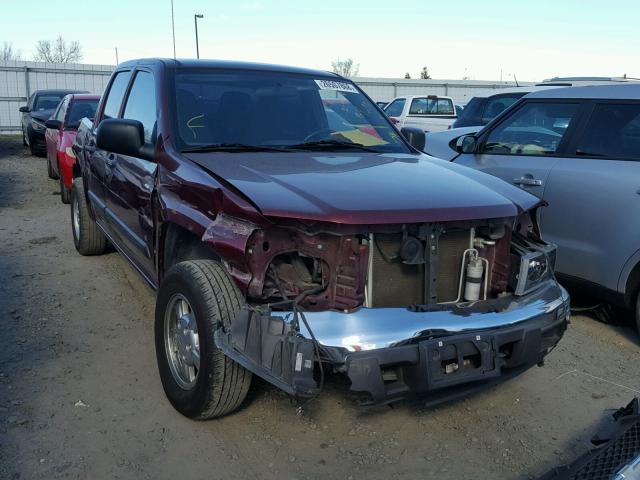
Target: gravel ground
(80, 395)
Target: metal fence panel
(20, 79)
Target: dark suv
(291, 231)
(39, 107)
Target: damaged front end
(430, 309)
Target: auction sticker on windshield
(336, 85)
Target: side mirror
(415, 137)
(53, 124)
(24, 109)
(125, 137)
(466, 144)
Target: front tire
(87, 237)
(194, 299)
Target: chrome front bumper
(394, 353)
(375, 328)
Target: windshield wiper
(331, 145)
(232, 147)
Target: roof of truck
(226, 65)
(626, 91)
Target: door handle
(111, 160)
(530, 182)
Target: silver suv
(579, 149)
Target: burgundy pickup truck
(291, 231)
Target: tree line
(53, 51)
(349, 68)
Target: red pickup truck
(290, 231)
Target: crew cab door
(524, 145)
(594, 195)
(130, 180)
(100, 161)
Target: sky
(488, 40)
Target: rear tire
(65, 193)
(194, 299)
(87, 237)
(50, 171)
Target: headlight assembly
(533, 263)
(37, 126)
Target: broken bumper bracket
(269, 347)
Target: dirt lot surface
(80, 395)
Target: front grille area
(395, 284)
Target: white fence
(18, 80)
(385, 89)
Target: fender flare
(630, 271)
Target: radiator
(392, 283)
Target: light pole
(173, 30)
(195, 21)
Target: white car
(430, 113)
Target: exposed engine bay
(389, 266)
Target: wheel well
(632, 287)
(179, 245)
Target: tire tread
(92, 241)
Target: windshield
(81, 109)
(279, 110)
(47, 101)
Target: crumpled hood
(42, 115)
(365, 188)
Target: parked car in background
(429, 113)
(382, 104)
(39, 107)
(484, 107)
(286, 244)
(579, 149)
(60, 135)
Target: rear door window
(395, 108)
(613, 131)
(141, 104)
(534, 129)
(116, 94)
